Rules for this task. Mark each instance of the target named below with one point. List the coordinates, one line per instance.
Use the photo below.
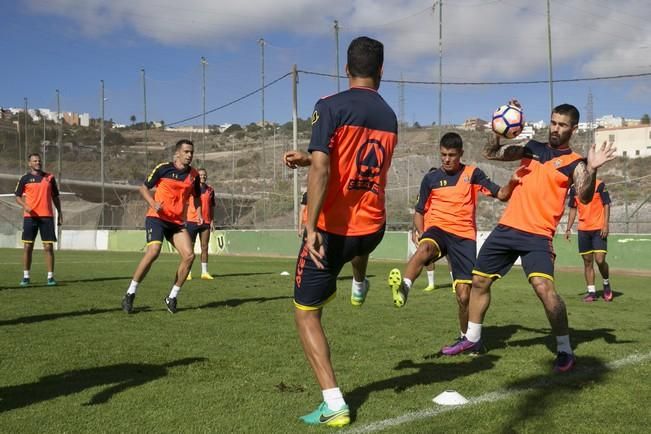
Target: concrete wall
(624, 251)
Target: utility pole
(262, 43)
(549, 53)
(440, 2)
(144, 97)
(203, 98)
(295, 138)
(101, 147)
(590, 110)
(25, 140)
(59, 135)
(43, 143)
(337, 53)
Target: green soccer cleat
(25, 281)
(324, 416)
(357, 298)
(429, 288)
(51, 282)
(398, 290)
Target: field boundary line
(489, 397)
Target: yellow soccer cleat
(429, 288)
(207, 276)
(398, 290)
(189, 276)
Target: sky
(71, 45)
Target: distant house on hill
(474, 124)
(632, 142)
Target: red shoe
(608, 293)
(590, 297)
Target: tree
(133, 119)
(416, 124)
(233, 128)
(645, 120)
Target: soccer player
(36, 191)
(208, 225)
(529, 221)
(354, 133)
(593, 237)
(445, 218)
(175, 182)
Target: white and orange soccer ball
(508, 121)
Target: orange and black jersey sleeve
(173, 189)
(38, 191)
(448, 201)
(358, 130)
(537, 202)
(591, 215)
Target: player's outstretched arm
(570, 222)
(585, 174)
(317, 184)
(494, 150)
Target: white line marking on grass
(490, 397)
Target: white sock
(204, 268)
(430, 277)
(592, 288)
(407, 283)
(333, 398)
(563, 344)
(50, 274)
(462, 334)
(451, 277)
(26, 274)
(357, 286)
(175, 291)
(133, 287)
(474, 332)
(606, 281)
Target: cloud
(482, 39)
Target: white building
(84, 119)
(632, 142)
(610, 121)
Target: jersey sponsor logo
(557, 163)
(369, 162)
(315, 117)
(466, 179)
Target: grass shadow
(117, 378)
(234, 302)
(52, 316)
(426, 373)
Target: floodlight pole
(203, 97)
(144, 98)
(25, 140)
(295, 138)
(549, 52)
(101, 146)
(262, 43)
(59, 135)
(440, 2)
(336, 27)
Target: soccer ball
(508, 121)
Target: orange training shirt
(207, 206)
(537, 203)
(173, 189)
(358, 130)
(592, 216)
(448, 201)
(37, 192)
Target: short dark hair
(570, 110)
(365, 57)
(451, 141)
(183, 142)
(33, 154)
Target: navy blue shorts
(195, 229)
(591, 242)
(32, 226)
(461, 252)
(313, 287)
(502, 248)
(158, 229)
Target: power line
(230, 103)
(495, 83)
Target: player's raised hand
(158, 206)
(294, 159)
(600, 155)
(515, 102)
(314, 244)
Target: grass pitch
(230, 359)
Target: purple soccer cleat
(608, 293)
(462, 345)
(564, 362)
(590, 297)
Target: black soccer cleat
(127, 302)
(170, 303)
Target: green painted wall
(624, 251)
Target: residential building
(632, 142)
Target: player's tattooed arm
(584, 176)
(495, 151)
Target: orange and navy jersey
(207, 205)
(358, 130)
(37, 192)
(448, 201)
(537, 203)
(173, 189)
(592, 216)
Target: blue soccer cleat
(324, 416)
